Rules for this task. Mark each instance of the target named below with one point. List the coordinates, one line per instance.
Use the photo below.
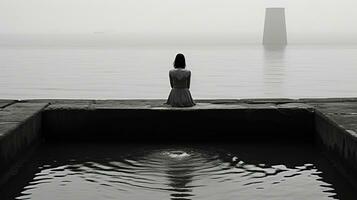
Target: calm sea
(246, 71)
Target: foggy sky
(243, 20)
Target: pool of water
(181, 172)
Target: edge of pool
(333, 122)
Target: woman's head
(180, 61)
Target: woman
(180, 78)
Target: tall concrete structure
(275, 27)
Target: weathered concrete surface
(20, 125)
(146, 103)
(336, 129)
(327, 100)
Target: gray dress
(180, 95)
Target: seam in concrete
(8, 104)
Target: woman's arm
(189, 80)
(171, 81)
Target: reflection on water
(274, 64)
(86, 171)
(245, 71)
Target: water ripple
(177, 173)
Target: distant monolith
(275, 27)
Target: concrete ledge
(20, 126)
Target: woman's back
(180, 78)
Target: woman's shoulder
(180, 71)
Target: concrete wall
(20, 128)
(339, 144)
(199, 125)
(19, 139)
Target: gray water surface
(245, 71)
(209, 172)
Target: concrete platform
(331, 123)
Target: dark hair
(180, 61)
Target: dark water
(180, 172)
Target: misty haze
(329, 21)
(123, 49)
